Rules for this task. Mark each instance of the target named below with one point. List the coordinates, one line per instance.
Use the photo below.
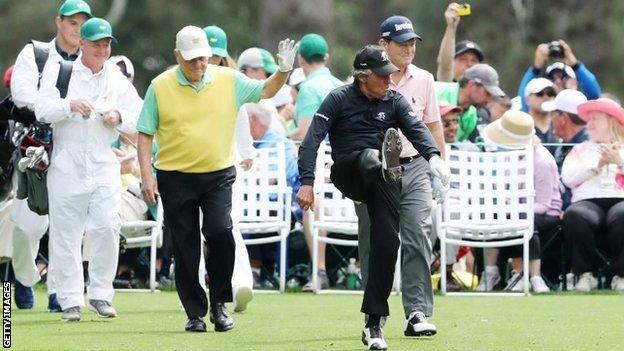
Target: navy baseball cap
(467, 45)
(375, 58)
(398, 29)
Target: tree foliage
(507, 30)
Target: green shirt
(245, 89)
(449, 92)
(312, 92)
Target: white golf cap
(536, 85)
(192, 42)
(297, 76)
(283, 96)
(567, 100)
(127, 63)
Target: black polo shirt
(65, 55)
(356, 123)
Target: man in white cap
(538, 91)
(84, 186)
(192, 110)
(567, 125)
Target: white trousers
(29, 228)
(76, 208)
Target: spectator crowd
(116, 155)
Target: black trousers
(544, 224)
(358, 176)
(183, 196)
(590, 222)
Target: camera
(555, 50)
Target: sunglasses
(547, 93)
(450, 122)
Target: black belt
(404, 160)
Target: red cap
(446, 107)
(7, 76)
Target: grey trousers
(415, 208)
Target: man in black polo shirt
(361, 119)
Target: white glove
(439, 190)
(286, 52)
(440, 169)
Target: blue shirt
(587, 83)
(270, 139)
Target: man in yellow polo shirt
(191, 110)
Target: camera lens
(555, 50)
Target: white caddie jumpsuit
(84, 183)
(29, 226)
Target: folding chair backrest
(333, 205)
(494, 189)
(262, 190)
(139, 233)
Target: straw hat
(514, 130)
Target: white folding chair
(263, 202)
(334, 213)
(489, 204)
(144, 234)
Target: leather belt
(409, 159)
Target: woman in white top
(594, 170)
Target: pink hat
(446, 107)
(603, 105)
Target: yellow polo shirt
(194, 125)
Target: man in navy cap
(398, 38)
(361, 119)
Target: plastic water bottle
(352, 275)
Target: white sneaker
(586, 282)
(539, 285)
(373, 338)
(515, 283)
(242, 296)
(617, 283)
(417, 325)
(102, 308)
(493, 277)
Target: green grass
(297, 321)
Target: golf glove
(286, 52)
(439, 190)
(440, 169)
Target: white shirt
(25, 75)
(107, 89)
(244, 141)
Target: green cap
(72, 7)
(312, 45)
(217, 39)
(257, 58)
(269, 62)
(95, 29)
